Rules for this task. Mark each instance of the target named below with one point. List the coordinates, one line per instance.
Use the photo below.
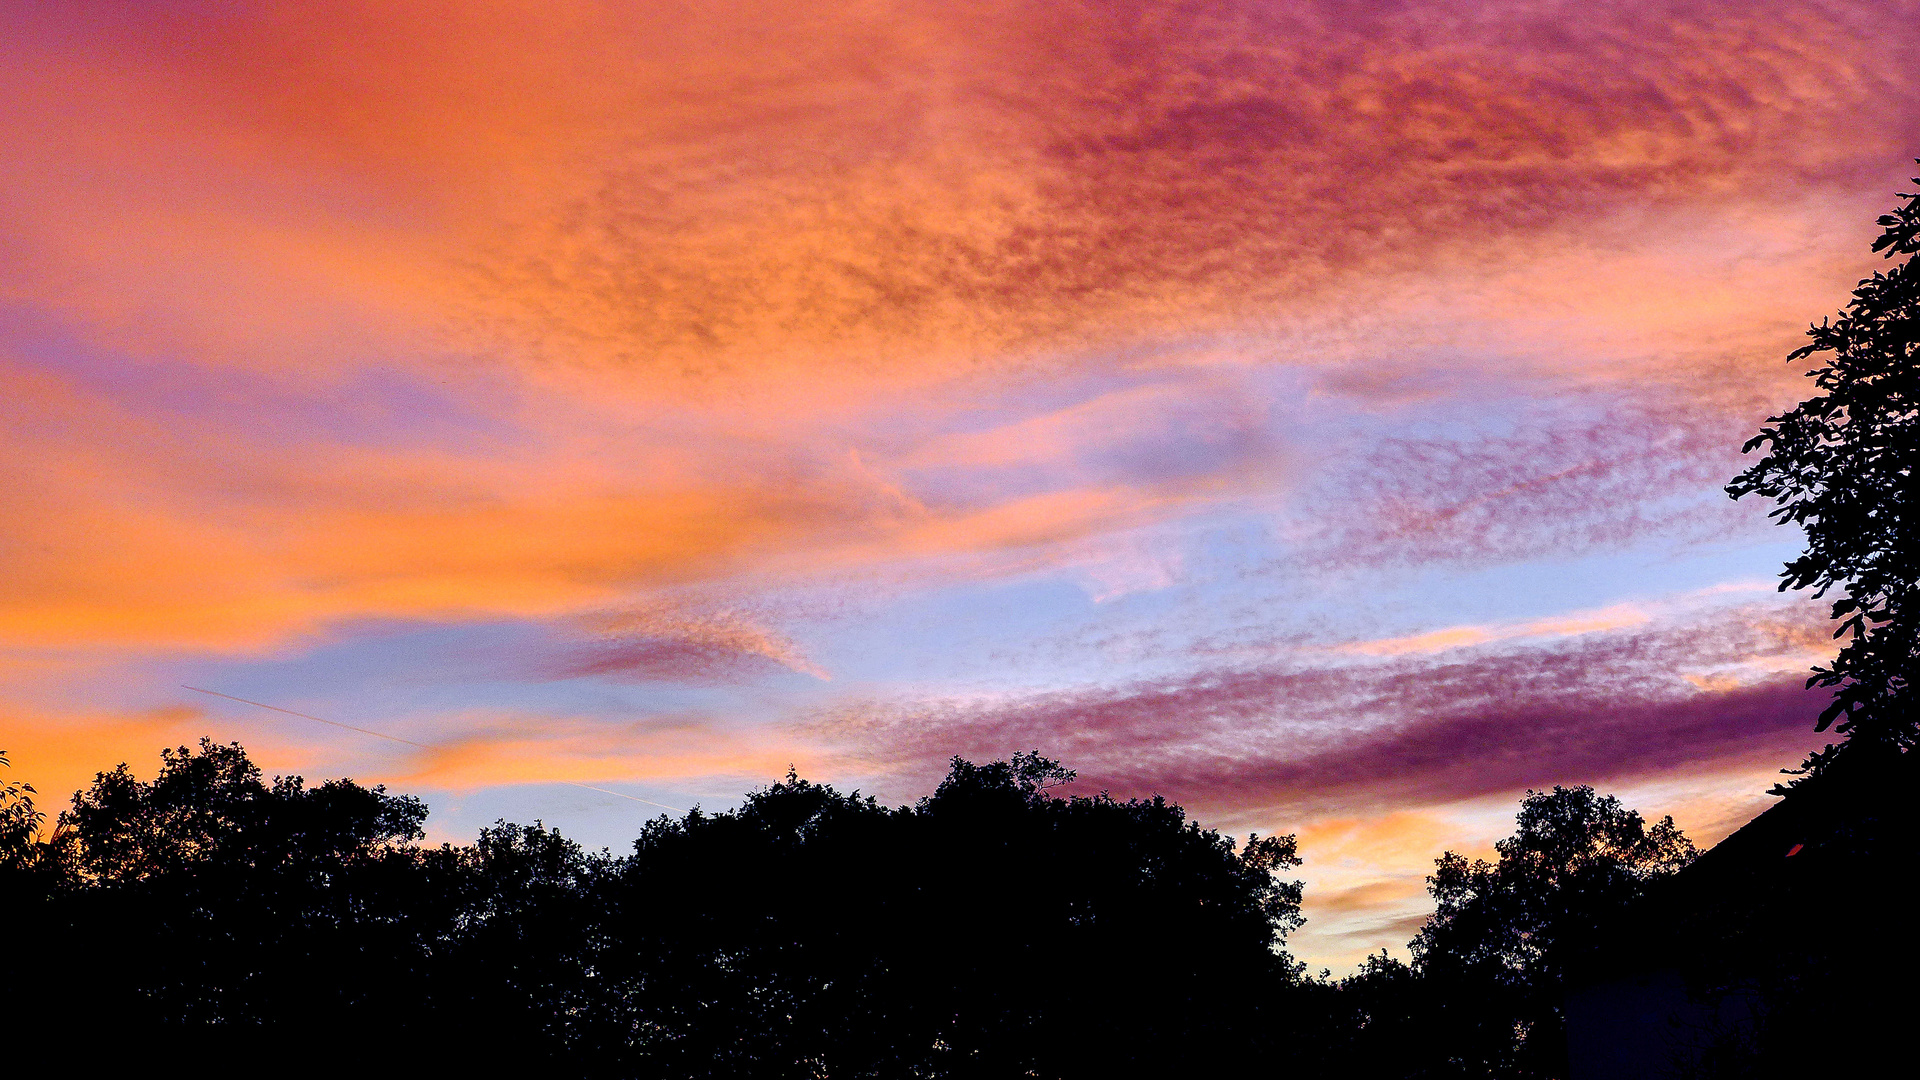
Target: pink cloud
(1311, 741)
(769, 190)
(1587, 473)
(669, 644)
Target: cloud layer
(1302, 740)
(708, 189)
(670, 292)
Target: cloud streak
(1340, 738)
(678, 645)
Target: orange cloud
(679, 644)
(1395, 837)
(499, 749)
(709, 191)
(1616, 617)
(757, 240)
(131, 531)
(59, 753)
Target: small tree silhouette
(1496, 949)
(19, 821)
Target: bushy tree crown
(1841, 465)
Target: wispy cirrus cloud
(496, 748)
(1305, 740)
(1589, 473)
(673, 643)
(1067, 173)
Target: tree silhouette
(993, 929)
(251, 915)
(509, 926)
(1000, 926)
(1497, 946)
(1841, 465)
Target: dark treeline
(993, 929)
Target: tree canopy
(999, 926)
(1841, 465)
(1497, 947)
(994, 928)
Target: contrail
(306, 716)
(410, 742)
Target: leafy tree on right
(1841, 465)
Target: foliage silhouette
(998, 927)
(210, 901)
(19, 822)
(992, 929)
(1495, 952)
(986, 931)
(1842, 466)
(1382, 1021)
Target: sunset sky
(1313, 411)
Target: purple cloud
(1306, 738)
